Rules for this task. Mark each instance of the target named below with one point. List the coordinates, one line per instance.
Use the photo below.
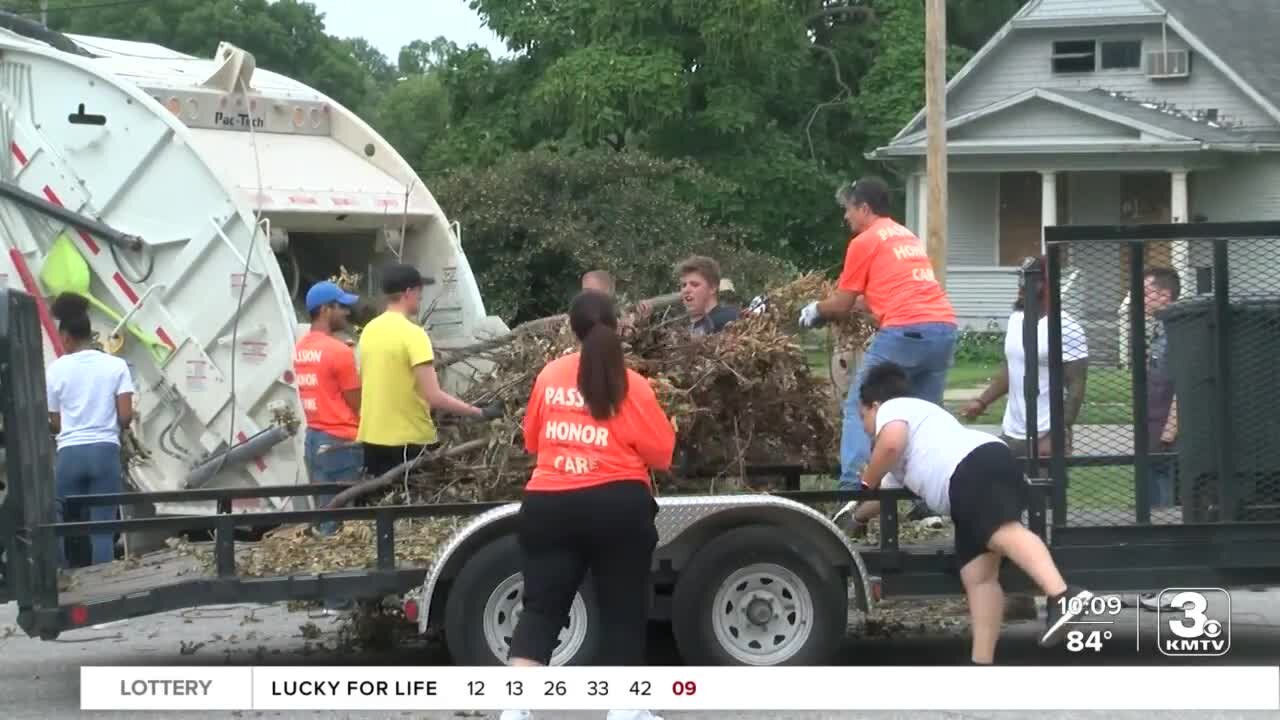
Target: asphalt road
(41, 679)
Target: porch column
(1048, 203)
(922, 205)
(1179, 212)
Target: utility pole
(44, 13)
(935, 98)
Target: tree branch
(365, 487)
(845, 93)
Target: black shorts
(988, 491)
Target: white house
(1104, 112)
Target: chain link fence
(1162, 345)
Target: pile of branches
(745, 396)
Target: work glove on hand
(758, 305)
(809, 317)
(492, 410)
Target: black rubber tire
(464, 607)
(695, 591)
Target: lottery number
(515, 687)
(597, 687)
(641, 687)
(683, 687)
(555, 688)
(476, 687)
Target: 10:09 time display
(1096, 605)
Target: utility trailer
(752, 579)
(785, 570)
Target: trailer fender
(475, 535)
(684, 525)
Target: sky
(392, 24)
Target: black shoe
(1062, 610)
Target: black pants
(609, 530)
(379, 459)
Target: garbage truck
(193, 201)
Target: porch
(996, 220)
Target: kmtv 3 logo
(1194, 622)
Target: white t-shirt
(83, 387)
(936, 444)
(1074, 347)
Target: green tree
(413, 114)
(536, 221)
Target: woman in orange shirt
(597, 429)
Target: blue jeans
(92, 469)
(925, 351)
(342, 462)
(1160, 489)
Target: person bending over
(597, 430)
(972, 476)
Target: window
(1074, 56)
(1122, 55)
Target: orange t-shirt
(325, 367)
(888, 264)
(577, 451)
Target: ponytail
(72, 313)
(602, 369)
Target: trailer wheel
(486, 600)
(756, 595)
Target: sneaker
(514, 715)
(921, 513)
(1059, 620)
(632, 715)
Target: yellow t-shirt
(392, 411)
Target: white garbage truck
(194, 201)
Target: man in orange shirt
(325, 369)
(887, 267)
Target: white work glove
(809, 317)
(758, 305)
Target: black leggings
(609, 530)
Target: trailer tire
(485, 599)
(799, 604)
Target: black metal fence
(1163, 360)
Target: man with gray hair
(887, 266)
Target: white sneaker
(632, 715)
(515, 715)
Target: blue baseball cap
(323, 293)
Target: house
(1104, 112)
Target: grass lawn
(1107, 399)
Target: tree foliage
(538, 220)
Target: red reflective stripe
(262, 466)
(42, 309)
(164, 338)
(17, 153)
(88, 241)
(124, 286)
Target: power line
(86, 6)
